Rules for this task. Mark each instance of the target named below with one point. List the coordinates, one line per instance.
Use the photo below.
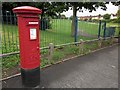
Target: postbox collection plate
(33, 35)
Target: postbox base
(30, 78)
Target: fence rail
(56, 46)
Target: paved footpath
(95, 70)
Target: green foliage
(78, 6)
(43, 62)
(10, 61)
(62, 16)
(95, 20)
(118, 13)
(63, 52)
(42, 52)
(106, 43)
(57, 55)
(118, 20)
(117, 3)
(71, 17)
(87, 5)
(48, 8)
(106, 16)
(118, 17)
(55, 8)
(45, 23)
(71, 50)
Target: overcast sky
(110, 9)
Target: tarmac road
(95, 70)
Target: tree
(118, 13)
(106, 16)
(79, 6)
(55, 8)
(48, 8)
(118, 16)
(118, 20)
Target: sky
(110, 9)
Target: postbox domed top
(26, 9)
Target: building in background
(99, 17)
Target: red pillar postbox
(28, 28)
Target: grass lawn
(92, 28)
(88, 27)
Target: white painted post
(100, 42)
(50, 51)
(81, 46)
(112, 39)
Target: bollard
(51, 50)
(112, 39)
(100, 42)
(81, 46)
(28, 28)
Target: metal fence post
(76, 29)
(7, 20)
(99, 29)
(50, 51)
(104, 34)
(16, 35)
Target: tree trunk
(42, 14)
(73, 20)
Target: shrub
(106, 16)
(95, 20)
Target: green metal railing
(9, 33)
(56, 31)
